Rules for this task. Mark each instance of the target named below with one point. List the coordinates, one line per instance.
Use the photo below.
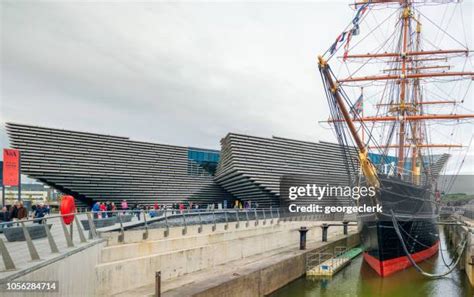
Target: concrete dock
(233, 259)
(456, 231)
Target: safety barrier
(92, 222)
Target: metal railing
(456, 211)
(27, 228)
(331, 259)
(120, 220)
(184, 218)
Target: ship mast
(403, 82)
(406, 112)
(367, 167)
(416, 133)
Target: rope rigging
(390, 90)
(408, 62)
(413, 262)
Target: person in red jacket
(103, 210)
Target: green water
(359, 280)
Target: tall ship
(397, 80)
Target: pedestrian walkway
(20, 253)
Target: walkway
(20, 254)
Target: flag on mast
(358, 106)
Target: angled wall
(251, 167)
(95, 167)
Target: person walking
(40, 213)
(4, 218)
(136, 209)
(103, 210)
(96, 209)
(4, 215)
(48, 209)
(114, 208)
(18, 212)
(14, 211)
(33, 209)
(108, 206)
(124, 206)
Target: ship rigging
(410, 81)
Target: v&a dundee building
(95, 167)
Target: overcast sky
(174, 73)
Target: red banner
(11, 167)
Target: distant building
(36, 193)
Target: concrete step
(134, 272)
(217, 272)
(191, 239)
(136, 235)
(193, 283)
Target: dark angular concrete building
(251, 167)
(94, 167)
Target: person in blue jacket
(96, 209)
(39, 213)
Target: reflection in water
(358, 279)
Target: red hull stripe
(388, 267)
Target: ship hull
(416, 220)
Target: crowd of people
(102, 210)
(106, 209)
(18, 212)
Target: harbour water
(359, 280)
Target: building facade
(94, 167)
(251, 168)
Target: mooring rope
(444, 261)
(405, 249)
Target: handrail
(264, 211)
(93, 217)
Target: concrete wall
(467, 263)
(132, 265)
(455, 234)
(262, 280)
(75, 273)
(133, 248)
(106, 268)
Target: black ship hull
(415, 217)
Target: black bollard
(345, 223)
(325, 228)
(303, 231)
(158, 284)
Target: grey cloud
(178, 73)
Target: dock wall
(134, 263)
(455, 234)
(271, 276)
